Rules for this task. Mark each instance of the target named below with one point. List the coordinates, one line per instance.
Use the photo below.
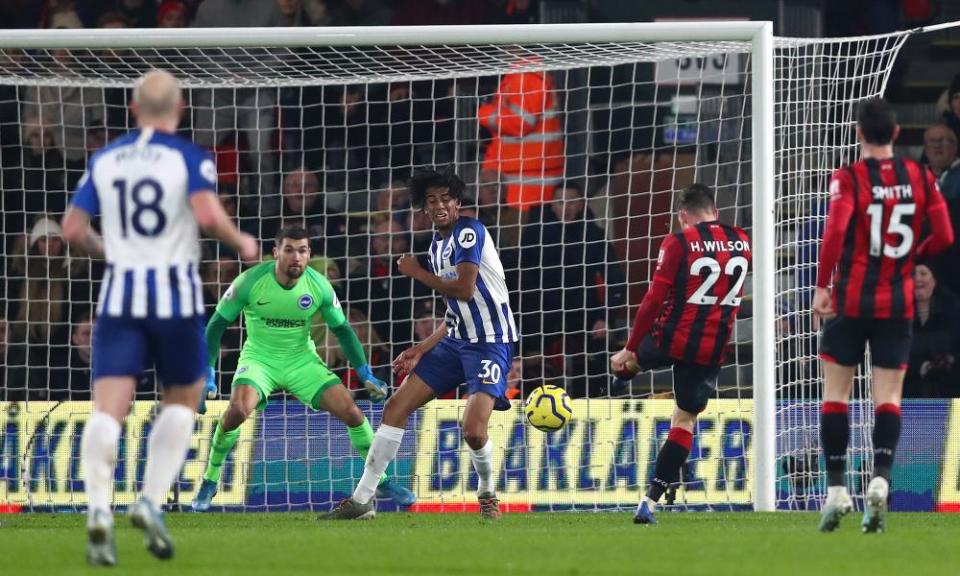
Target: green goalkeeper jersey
(278, 319)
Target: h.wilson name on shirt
(896, 192)
(720, 246)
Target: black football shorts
(843, 341)
(693, 384)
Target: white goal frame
(758, 34)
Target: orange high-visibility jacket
(524, 118)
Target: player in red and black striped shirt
(685, 321)
(871, 241)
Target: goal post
(764, 127)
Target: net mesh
(326, 137)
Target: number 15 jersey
(139, 185)
(706, 266)
(877, 211)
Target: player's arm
(79, 234)
(838, 218)
(76, 222)
(462, 287)
(407, 360)
(215, 223)
(668, 264)
(336, 320)
(228, 310)
(210, 216)
(942, 230)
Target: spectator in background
(39, 332)
(139, 13)
(172, 14)
(519, 12)
(940, 150)
(515, 380)
(8, 372)
(251, 112)
(504, 221)
(374, 281)
(67, 111)
(950, 104)
(361, 13)
(527, 145)
(302, 205)
(932, 369)
(302, 13)
(568, 272)
(73, 380)
(113, 19)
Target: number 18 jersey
(139, 185)
(706, 265)
(888, 201)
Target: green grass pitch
(741, 544)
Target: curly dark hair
(423, 180)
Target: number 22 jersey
(139, 185)
(706, 266)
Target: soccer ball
(548, 408)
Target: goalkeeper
(278, 300)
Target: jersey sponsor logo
(284, 323)
(467, 238)
(209, 171)
(305, 302)
(262, 303)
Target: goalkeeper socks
(886, 434)
(361, 438)
(220, 447)
(386, 442)
(834, 437)
(483, 464)
(671, 457)
(168, 444)
(98, 452)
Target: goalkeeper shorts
(307, 380)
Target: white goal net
(324, 133)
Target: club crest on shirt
(447, 251)
(305, 301)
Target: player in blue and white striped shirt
(150, 189)
(475, 346)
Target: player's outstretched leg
(338, 401)
(386, 442)
(243, 400)
(670, 459)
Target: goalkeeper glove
(209, 390)
(375, 386)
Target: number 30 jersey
(877, 211)
(139, 185)
(706, 266)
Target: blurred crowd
(334, 160)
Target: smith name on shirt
(897, 192)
